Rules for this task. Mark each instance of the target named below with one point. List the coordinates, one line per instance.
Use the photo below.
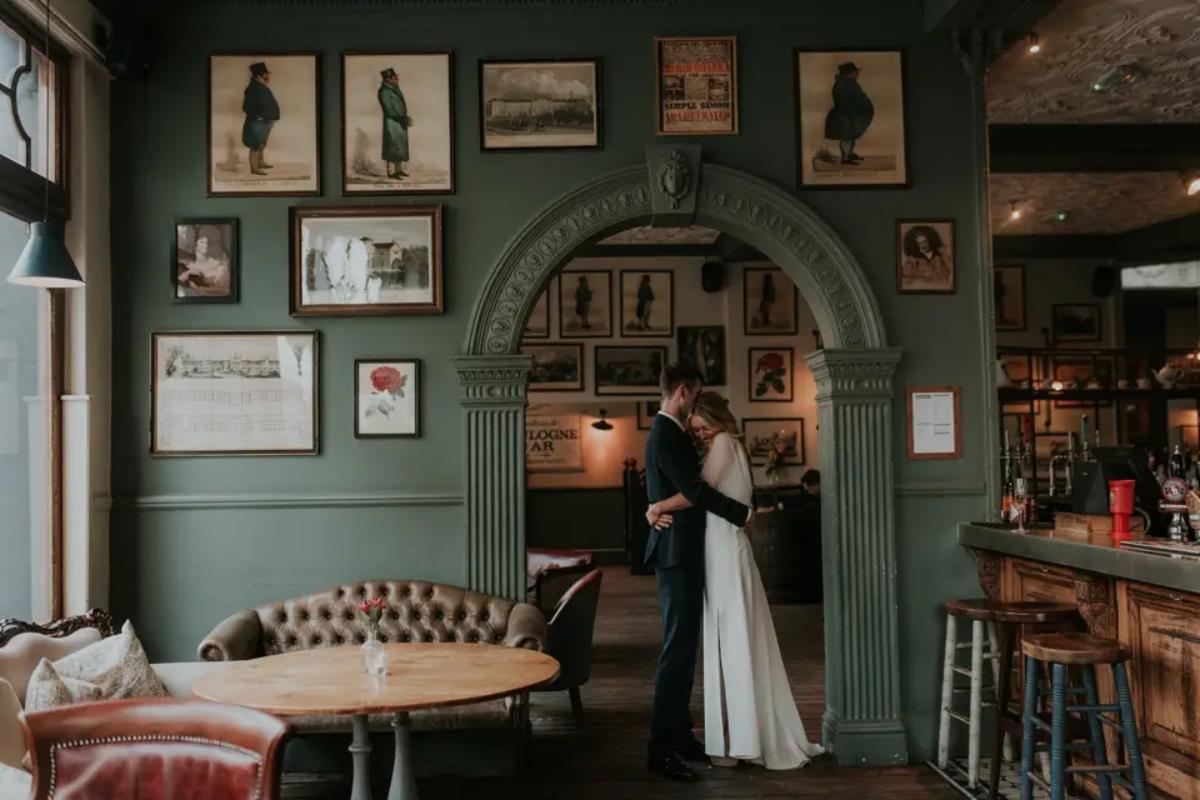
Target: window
(27, 585)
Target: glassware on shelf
(1019, 506)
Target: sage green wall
(195, 539)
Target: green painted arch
(773, 221)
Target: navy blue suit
(677, 556)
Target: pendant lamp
(45, 262)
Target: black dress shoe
(671, 766)
(692, 751)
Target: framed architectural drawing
(556, 367)
(233, 393)
(397, 123)
(387, 398)
(629, 370)
(696, 85)
(539, 105)
(264, 124)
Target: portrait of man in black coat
(851, 114)
(262, 112)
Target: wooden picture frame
(763, 375)
(702, 347)
(361, 164)
(752, 313)
(569, 325)
(209, 367)
(628, 291)
(385, 394)
(647, 410)
(1089, 313)
(926, 260)
(643, 376)
(930, 402)
(1009, 310)
(491, 141)
(193, 282)
(757, 459)
(270, 184)
(663, 94)
(312, 288)
(536, 381)
(537, 326)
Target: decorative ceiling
(1082, 41)
(693, 234)
(1094, 202)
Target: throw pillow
(117, 666)
(49, 689)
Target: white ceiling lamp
(1032, 45)
(1192, 185)
(1014, 211)
(1118, 77)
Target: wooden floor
(604, 759)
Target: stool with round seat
(1083, 651)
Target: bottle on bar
(1177, 466)
(1007, 486)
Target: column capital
(499, 380)
(853, 374)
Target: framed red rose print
(387, 398)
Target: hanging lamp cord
(46, 135)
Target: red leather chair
(155, 749)
(569, 638)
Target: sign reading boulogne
(552, 442)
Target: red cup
(1120, 505)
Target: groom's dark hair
(675, 375)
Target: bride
(749, 712)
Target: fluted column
(493, 399)
(855, 396)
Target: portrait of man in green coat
(851, 114)
(262, 112)
(396, 123)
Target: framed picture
(702, 347)
(925, 256)
(696, 85)
(770, 303)
(553, 442)
(771, 371)
(1076, 322)
(764, 435)
(934, 423)
(647, 410)
(366, 260)
(647, 302)
(233, 393)
(1082, 373)
(556, 367)
(538, 324)
(539, 105)
(397, 123)
(585, 304)
(264, 131)
(204, 260)
(629, 370)
(387, 398)
(1008, 286)
(850, 118)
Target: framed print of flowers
(771, 374)
(387, 398)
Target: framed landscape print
(585, 304)
(765, 435)
(646, 411)
(1008, 287)
(647, 302)
(770, 302)
(397, 123)
(387, 398)
(556, 367)
(264, 132)
(204, 260)
(366, 260)
(1076, 322)
(696, 85)
(629, 370)
(539, 105)
(233, 393)
(925, 256)
(538, 324)
(771, 373)
(702, 347)
(850, 118)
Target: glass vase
(375, 659)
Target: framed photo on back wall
(539, 105)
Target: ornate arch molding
(779, 225)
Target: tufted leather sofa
(415, 611)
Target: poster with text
(697, 85)
(552, 443)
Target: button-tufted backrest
(414, 611)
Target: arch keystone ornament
(862, 724)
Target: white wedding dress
(746, 689)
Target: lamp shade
(45, 261)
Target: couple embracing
(707, 579)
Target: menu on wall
(933, 423)
(553, 443)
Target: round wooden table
(331, 680)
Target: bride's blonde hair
(714, 410)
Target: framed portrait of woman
(204, 260)
(925, 256)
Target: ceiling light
(1061, 216)
(602, 424)
(1032, 45)
(1193, 186)
(1118, 76)
(1014, 213)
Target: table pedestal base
(404, 786)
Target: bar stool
(1009, 619)
(1060, 651)
(981, 615)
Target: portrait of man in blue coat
(851, 114)
(262, 112)
(395, 124)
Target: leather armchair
(155, 749)
(569, 638)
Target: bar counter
(1150, 602)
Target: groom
(676, 552)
